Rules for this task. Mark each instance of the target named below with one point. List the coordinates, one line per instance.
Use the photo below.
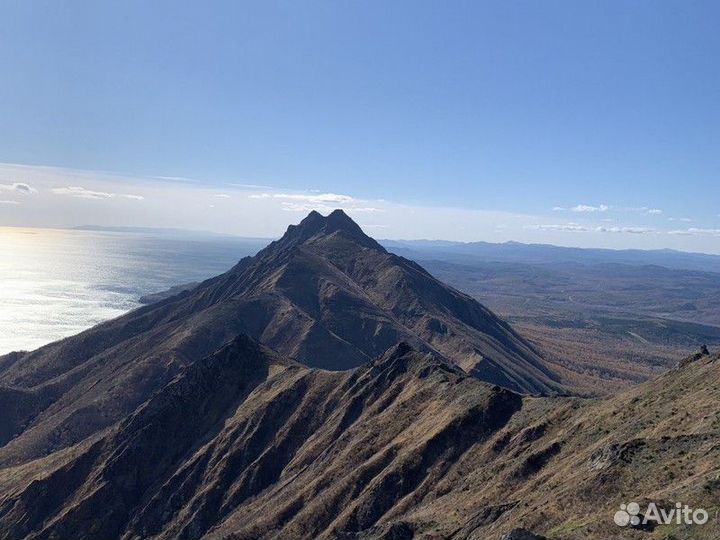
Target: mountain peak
(335, 220)
(338, 220)
(339, 214)
(315, 224)
(313, 217)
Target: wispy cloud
(562, 227)
(18, 187)
(590, 209)
(250, 186)
(322, 202)
(576, 227)
(316, 198)
(261, 210)
(326, 208)
(628, 230)
(82, 193)
(585, 208)
(638, 210)
(695, 231)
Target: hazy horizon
(182, 233)
(63, 198)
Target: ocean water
(55, 283)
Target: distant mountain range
(546, 253)
(488, 251)
(612, 318)
(326, 388)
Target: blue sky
(572, 116)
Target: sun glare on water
(56, 283)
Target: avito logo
(630, 514)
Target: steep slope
(563, 466)
(243, 421)
(244, 444)
(325, 294)
(560, 467)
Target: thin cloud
(639, 210)
(326, 208)
(222, 196)
(250, 186)
(9, 202)
(576, 227)
(627, 230)
(585, 208)
(313, 198)
(322, 202)
(80, 192)
(18, 187)
(566, 227)
(695, 231)
(590, 209)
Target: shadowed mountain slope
(245, 444)
(243, 421)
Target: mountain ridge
(325, 271)
(405, 446)
(325, 295)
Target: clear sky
(578, 123)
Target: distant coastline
(164, 231)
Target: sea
(57, 282)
